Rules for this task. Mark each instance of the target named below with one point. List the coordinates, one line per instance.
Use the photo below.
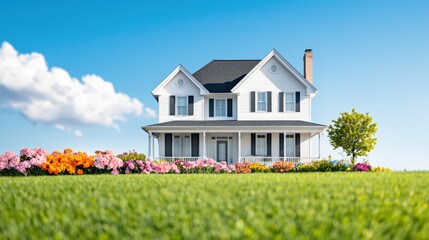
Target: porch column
(148, 145)
(319, 144)
(239, 146)
(284, 147)
(152, 145)
(204, 145)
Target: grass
(256, 206)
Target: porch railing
(271, 160)
(250, 159)
(173, 159)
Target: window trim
(187, 105)
(285, 101)
(265, 144)
(215, 107)
(257, 101)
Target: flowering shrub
(243, 167)
(30, 160)
(282, 167)
(207, 165)
(132, 155)
(67, 162)
(38, 162)
(380, 169)
(258, 167)
(362, 167)
(107, 161)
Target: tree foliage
(353, 132)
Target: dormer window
(220, 105)
(261, 101)
(182, 106)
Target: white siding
(220, 96)
(171, 89)
(282, 81)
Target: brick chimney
(308, 65)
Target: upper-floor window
(220, 106)
(182, 106)
(261, 101)
(290, 102)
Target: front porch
(233, 141)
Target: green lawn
(258, 206)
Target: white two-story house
(235, 111)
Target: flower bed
(39, 162)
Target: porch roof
(234, 124)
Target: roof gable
(180, 68)
(274, 54)
(220, 76)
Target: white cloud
(149, 113)
(78, 133)
(52, 96)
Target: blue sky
(371, 55)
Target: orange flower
(79, 172)
(68, 150)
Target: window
(290, 102)
(273, 68)
(290, 146)
(186, 150)
(220, 106)
(261, 145)
(176, 147)
(180, 83)
(182, 146)
(182, 106)
(262, 101)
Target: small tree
(353, 132)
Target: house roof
(285, 64)
(234, 123)
(220, 76)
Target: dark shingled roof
(220, 76)
(235, 123)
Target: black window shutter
(281, 101)
(297, 102)
(268, 101)
(229, 107)
(297, 145)
(253, 144)
(190, 105)
(281, 144)
(269, 144)
(252, 101)
(172, 105)
(195, 145)
(211, 107)
(168, 147)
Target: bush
(67, 162)
(258, 168)
(243, 167)
(362, 167)
(380, 169)
(282, 167)
(132, 155)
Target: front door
(222, 151)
